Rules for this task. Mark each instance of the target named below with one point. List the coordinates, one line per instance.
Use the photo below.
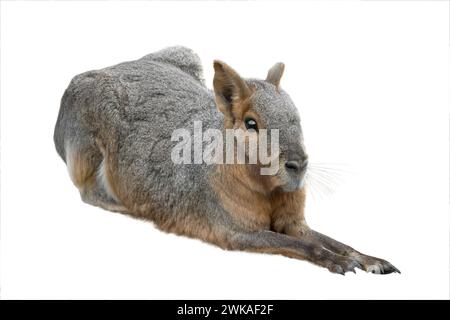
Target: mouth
(293, 181)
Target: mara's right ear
(230, 90)
(275, 73)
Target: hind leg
(88, 173)
(97, 196)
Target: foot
(340, 264)
(374, 265)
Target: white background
(370, 80)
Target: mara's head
(261, 106)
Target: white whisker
(324, 178)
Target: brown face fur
(253, 200)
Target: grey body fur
(140, 103)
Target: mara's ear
(275, 73)
(230, 90)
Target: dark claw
(338, 269)
(359, 265)
(383, 267)
(343, 265)
(389, 268)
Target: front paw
(375, 265)
(341, 264)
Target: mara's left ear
(230, 90)
(275, 73)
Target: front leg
(288, 218)
(370, 264)
(309, 249)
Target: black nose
(292, 165)
(295, 165)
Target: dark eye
(251, 124)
